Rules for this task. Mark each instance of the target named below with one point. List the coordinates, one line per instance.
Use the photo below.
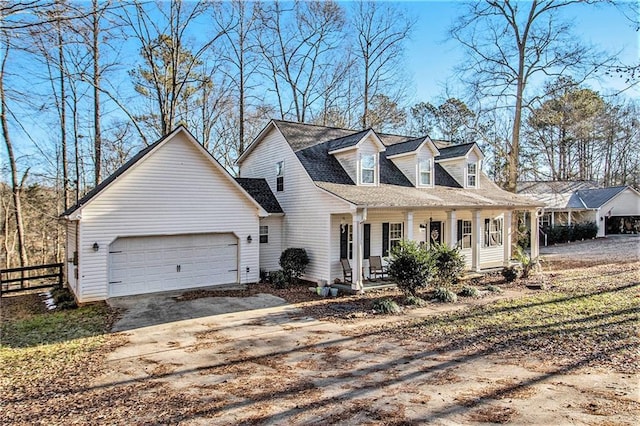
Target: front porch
(484, 237)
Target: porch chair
(376, 269)
(347, 272)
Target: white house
(615, 210)
(170, 218)
(173, 218)
(355, 194)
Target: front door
(435, 233)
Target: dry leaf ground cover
(564, 355)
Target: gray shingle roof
(594, 198)
(260, 191)
(404, 147)
(438, 197)
(554, 186)
(454, 151)
(347, 141)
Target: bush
(528, 264)
(411, 267)
(63, 298)
(494, 289)
(294, 262)
(469, 291)
(445, 295)
(415, 301)
(449, 264)
(386, 306)
(509, 273)
(562, 234)
(278, 279)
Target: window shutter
(487, 231)
(459, 233)
(385, 239)
(344, 241)
(367, 240)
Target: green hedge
(564, 234)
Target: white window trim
(467, 175)
(391, 240)
(431, 166)
(361, 169)
(264, 234)
(495, 231)
(470, 234)
(280, 174)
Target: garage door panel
(159, 263)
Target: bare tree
(300, 45)
(508, 44)
(381, 30)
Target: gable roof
(594, 198)
(454, 151)
(553, 186)
(347, 141)
(261, 192)
(87, 198)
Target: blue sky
(431, 58)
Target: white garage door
(149, 264)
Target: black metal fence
(30, 277)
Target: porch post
(535, 235)
(357, 251)
(569, 218)
(553, 218)
(453, 228)
(506, 236)
(409, 230)
(476, 240)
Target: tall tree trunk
(97, 132)
(63, 118)
(16, 187)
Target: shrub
(294, 262)
(509, 273)
(278, 279)
(386, 306)
(411, 267)
(494, 289)
(528, 264)
(449, 264)
(63, 298)
(415, 301)
(443, 294)
(469, 291)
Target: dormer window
(368, 169)
(425, 173)
(472, 175)
(280, 176)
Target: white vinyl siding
(270, 252)
(307, 208)
(173, 190)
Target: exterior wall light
(249, 239)
(96, 246)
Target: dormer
(415, 159)
(463, 163)
(359, 156)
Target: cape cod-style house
(172, 218)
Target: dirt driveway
(278, 365)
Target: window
(472, 172)
(464, 234)
(395, 235)
(545, 220)
(368, 169)
(280, 176)
(264, 234)
(493, 232)
(425, 172)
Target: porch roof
(437, 197)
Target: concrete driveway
(165, 308)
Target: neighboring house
(615, 210)
(171, 218)
(355, 194)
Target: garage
(171, 262)
(171, 218)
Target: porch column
(453, 228)
(535, 235)
(569, 218)
(476, 240)
(409, 230)
(356, 265)
(506, 236)
(553, 218)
